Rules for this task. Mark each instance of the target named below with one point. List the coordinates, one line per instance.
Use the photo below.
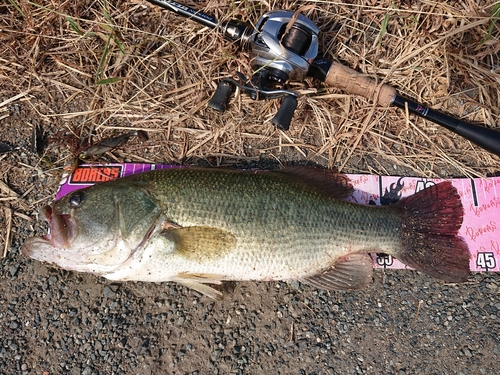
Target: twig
(8, 218)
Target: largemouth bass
(200, 227)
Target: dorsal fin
(324, 181)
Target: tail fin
(431, 221)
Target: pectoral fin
(198, 282)
(351, 272)
(200, 244)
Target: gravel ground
(57, 322)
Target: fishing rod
(284, 46)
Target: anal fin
(351, 272)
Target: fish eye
(76, 199)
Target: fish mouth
(62, 228)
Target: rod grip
(353, 82)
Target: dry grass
(94, 68)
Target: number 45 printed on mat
(486, 260)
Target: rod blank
(187, 12)
(486, 138)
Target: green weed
(495, 14)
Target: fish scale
(283, 232)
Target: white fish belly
(277, 257)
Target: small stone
(215, 355)
(109, 291)
(13, 270)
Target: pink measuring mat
(480, 198)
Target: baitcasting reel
(282, 47)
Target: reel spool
(281, 48)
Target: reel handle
(283, 117)
(221, 96)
